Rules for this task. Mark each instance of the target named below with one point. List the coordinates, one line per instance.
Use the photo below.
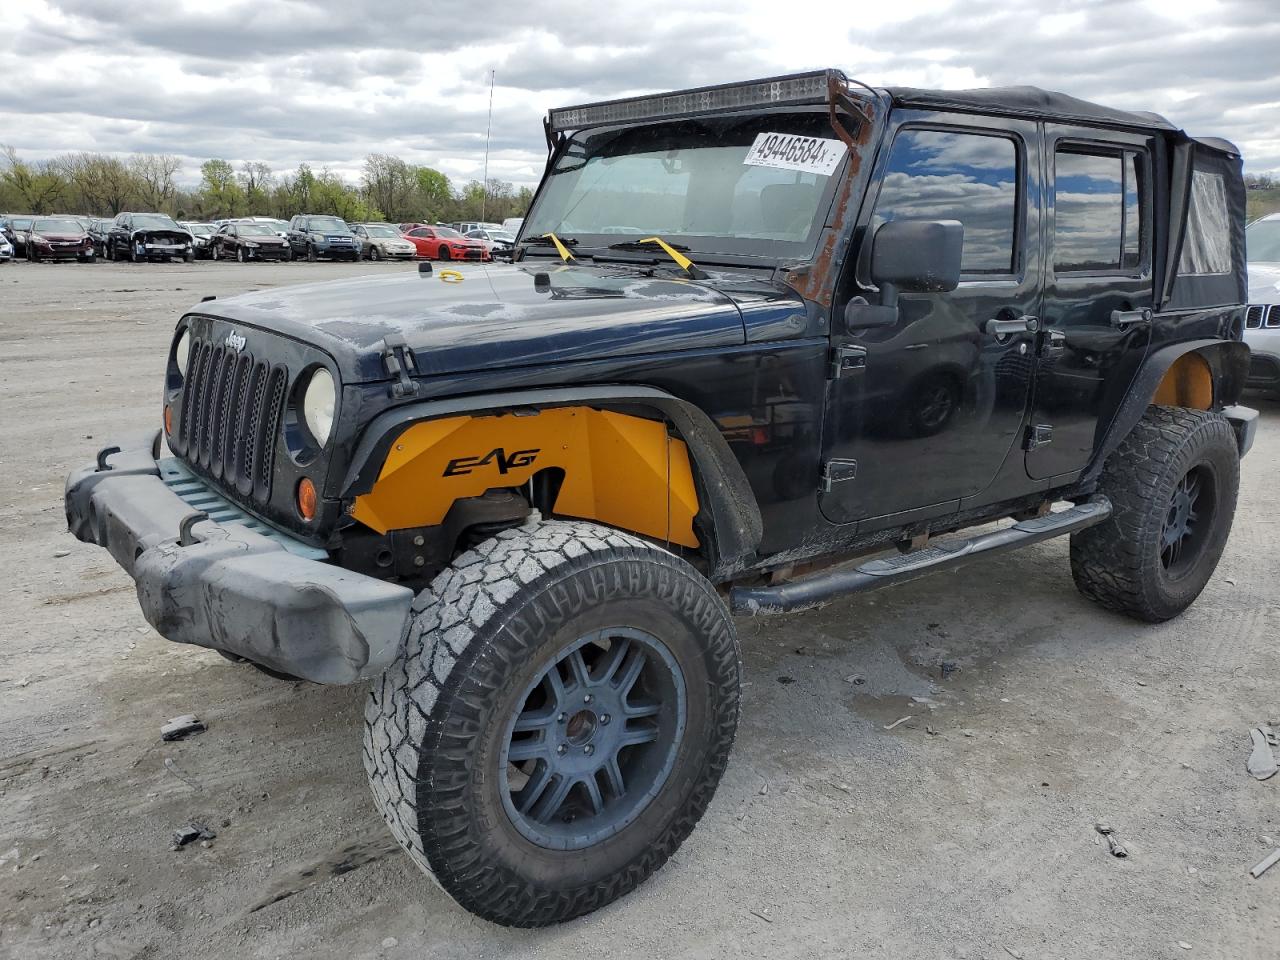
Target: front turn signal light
(306, 499)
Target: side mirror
(916, 256)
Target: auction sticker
(786, 151)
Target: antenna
(484, 197)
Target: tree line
(99, 184)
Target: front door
(1098, 290)
(925, 412)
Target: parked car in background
(499, 243)
(466, 226)
(201, 237)
(6, 249)
(513, 224)
(97, 229)
(247, 241)
(59, 238)
(1262, 322)
(148, 236)
(445, 243)
(382, 241)
(322, 237)
(15, 227)
(280, 227)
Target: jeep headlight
(317, 405)
(182, 351)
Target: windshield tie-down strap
(561, 249)
(681, 260)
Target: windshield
(1262, 241)
(446, 232)
(758, 185)
(200, 229)
(381, 232)
(256, 230)
(20, 223)
(57, 225)
(329, 223)
(153, 221)
(502, 237)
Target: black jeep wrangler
(751, 332)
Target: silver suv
(1262, 322)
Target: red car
(443, 243)
(58, 238)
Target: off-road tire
(437, 720)
(1117, 563)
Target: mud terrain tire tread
(1116, 563)
(428, 710)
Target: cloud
(288, 81)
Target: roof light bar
(797, 88)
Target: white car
(6, 249)
(1262, 322)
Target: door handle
(1003, 328)
(1124, 319)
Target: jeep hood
(496, 315)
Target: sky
(286, 81)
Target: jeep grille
(231, 409)
(1262, 315)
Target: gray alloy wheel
(311, 254)
(375, 253)
(557, 721)
(241, 257)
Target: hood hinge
(398, 359)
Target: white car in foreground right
(1262, 322)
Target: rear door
(1098, 290)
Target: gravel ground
(966, 831)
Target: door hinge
(846, 359)
(1039, 435)
(837, 471)
(399, 362)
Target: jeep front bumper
(211, 575)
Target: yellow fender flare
(624, 471)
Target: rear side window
(970, 177)
(1206, 247)
(1099, 211)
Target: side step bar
(811, 591)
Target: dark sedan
(248, 241)
(148, 236)
(58, 238)
(15, 228)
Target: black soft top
(1028, 102)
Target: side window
(1099, 210)
(970, 177)
(1206, 248)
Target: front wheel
(1172, 485)
(443, 252)
(240, 255)
(375, 254)
(558, 720)
(311, 254)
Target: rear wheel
(558, 721)
(1172, 485)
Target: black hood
(496, 315)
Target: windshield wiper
(643, 245)
(672, 250)
(562, 244)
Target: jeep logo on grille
(235, 341)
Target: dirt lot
(967, 831)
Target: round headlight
(182, 351)
(318, 403)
